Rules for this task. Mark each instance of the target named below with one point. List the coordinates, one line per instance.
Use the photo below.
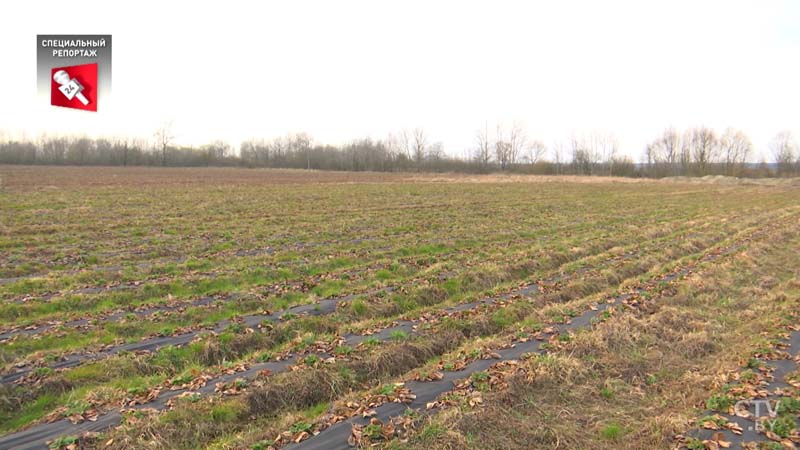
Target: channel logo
(74, 87)
(74, 71)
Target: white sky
(344, 69)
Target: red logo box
(74, 87)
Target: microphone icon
(71, 88)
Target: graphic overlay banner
(74, 70)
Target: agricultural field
(227, 308)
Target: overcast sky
(342, 69)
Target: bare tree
(703, 146)
(79, 150)
(736, 149)
(592, 146)
(103, 152)
(300, 144)
(517, 139)
(685, 156)
(696, 152)
(392, 146)
(588, 152)
(123, 145)
(535, 151)
(607, 149)
(435, 151)
(419, 145)
(164, 137)
(483, 154)
(216, 152)
(662, 155)
(414, 145)
(54, 149)
(501, 151)
(580, 158)
(558, 156)
(670, 147)
(508, 147)
(278, 148)
(397, 149)
(405, 145)
(784, 149)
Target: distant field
(233, 308)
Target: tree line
(698, 151)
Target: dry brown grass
(642, 373)
(299, 389)
(214, 351)
(54, 177)
(304, 388)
